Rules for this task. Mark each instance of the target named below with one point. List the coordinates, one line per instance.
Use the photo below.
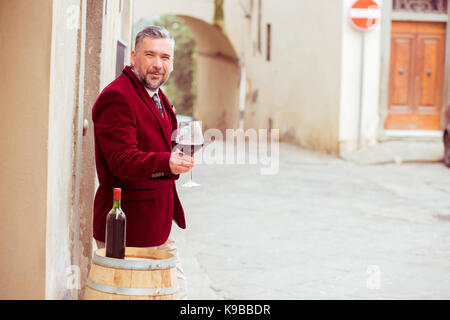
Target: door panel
(402, 51)
(429, 71)
(416, 75)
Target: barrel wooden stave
(91, 294)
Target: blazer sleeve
(116, 133)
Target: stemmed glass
(190, 139)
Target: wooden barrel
(144, 274)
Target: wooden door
(416, 75)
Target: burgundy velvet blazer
(132, 149)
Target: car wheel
(447, 149)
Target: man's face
(153, 62)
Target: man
(133, 125)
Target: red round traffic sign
(364, 14)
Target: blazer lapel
(142, 93)
(170, 112)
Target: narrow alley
(321, 228)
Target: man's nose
(157, 62)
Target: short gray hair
(154, 32)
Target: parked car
(447, 137)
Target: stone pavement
(321, 228)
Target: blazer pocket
(139, 195)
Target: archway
(218, 76)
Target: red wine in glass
(189, 148)
(190, 140)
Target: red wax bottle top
(117, 192)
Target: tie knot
(155, 97)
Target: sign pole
(361, 87)
(364, 15)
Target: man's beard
(152, 85)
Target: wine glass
(190, 139)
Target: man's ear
(133, 57)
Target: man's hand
(180, 162)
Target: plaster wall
(25, 64)
(299, 88)
(62, 216)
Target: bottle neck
(116, 203)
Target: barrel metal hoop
(147, 264)
(132, 291)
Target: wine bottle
(116, 228)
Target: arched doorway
(218, 76)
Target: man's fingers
(181, 169)
(180, 162)
(185, 164)
(184, 159)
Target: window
(424, 6)
(120, 57)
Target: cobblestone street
(321, 228)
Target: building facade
(298, 66)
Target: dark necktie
(158, 103)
